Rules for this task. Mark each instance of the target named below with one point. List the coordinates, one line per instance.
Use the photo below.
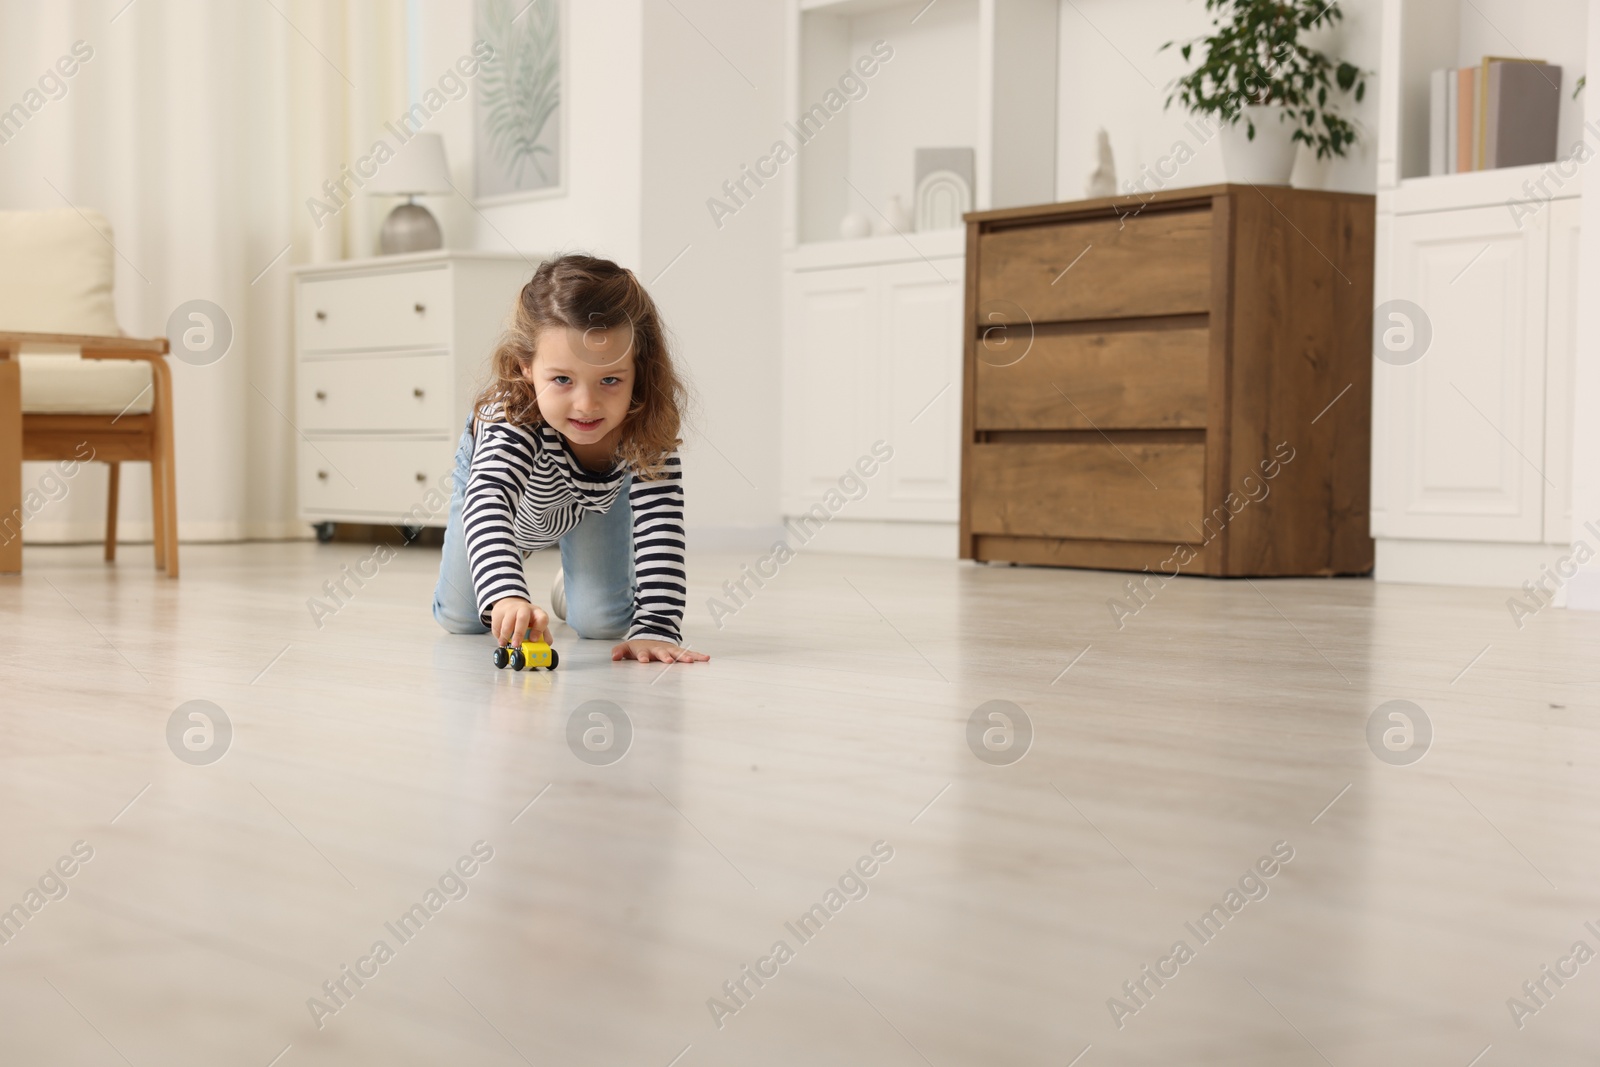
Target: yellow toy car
(529, 655)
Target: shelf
(864, 251)
(1421, 36)
(1486, 188)
(849, 7)
(977, 74)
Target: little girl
(574, 441)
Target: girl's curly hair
(584, 292)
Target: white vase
(896, 218)
(1266, 160)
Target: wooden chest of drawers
(1178, 382)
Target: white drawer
(397, 393)
(376, 478)
(403, 309)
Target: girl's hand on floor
(511, 617)
(662, 651)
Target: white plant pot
(1266, 160)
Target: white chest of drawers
(389, 353)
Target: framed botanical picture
(519, 123)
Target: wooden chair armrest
(115, 353)
(92, 346)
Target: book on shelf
(1502, 113)
(1447, 85)
(1522, 112)
(1438, 115)
(1466, 110)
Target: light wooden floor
(370, 754)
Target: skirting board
(870, 537)
(1583, 592)
(1495, 565)
(736, 539)
(85, 533)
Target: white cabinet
(389, 354)
(872, 327)
(1561, 349)
(1471, 457)
(873, 352)
(1466, 422)
(1472, 442)
(922, 313)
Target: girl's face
(584, 381)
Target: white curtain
(200, 128)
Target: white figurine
(1103, 180)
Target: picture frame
(519, 113)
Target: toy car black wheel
(518, 660)
(554, 659)
(502, 656)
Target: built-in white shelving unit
(1471, 442)
(872, 326)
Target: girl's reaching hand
(646, 651)
(511, 617)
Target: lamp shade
(418, 167)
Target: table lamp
(417, 169)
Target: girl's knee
(458, 624)
(596, 625)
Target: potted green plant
(1267, 88)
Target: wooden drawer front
(1089, 490)
(1153, 264)
(375, 311)
(381, 478)
(1129, 379)
(403, 393)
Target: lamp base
(409, 228)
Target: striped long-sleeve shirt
(526, 490)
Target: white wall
(657, 121)
(1113, 75)
(1583, 592)
(599, 210)
(705, 114)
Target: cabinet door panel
(1561, 350)
(1465, 427)
(831, 380)
(922, 342)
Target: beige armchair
(70, 380)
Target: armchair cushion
(56, 272)
(69, 385)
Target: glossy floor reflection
(819, 784)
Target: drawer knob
(322, 476)
(420, 309)
(321, 395)
(322, 316)
(417, 392)
(421, 477)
